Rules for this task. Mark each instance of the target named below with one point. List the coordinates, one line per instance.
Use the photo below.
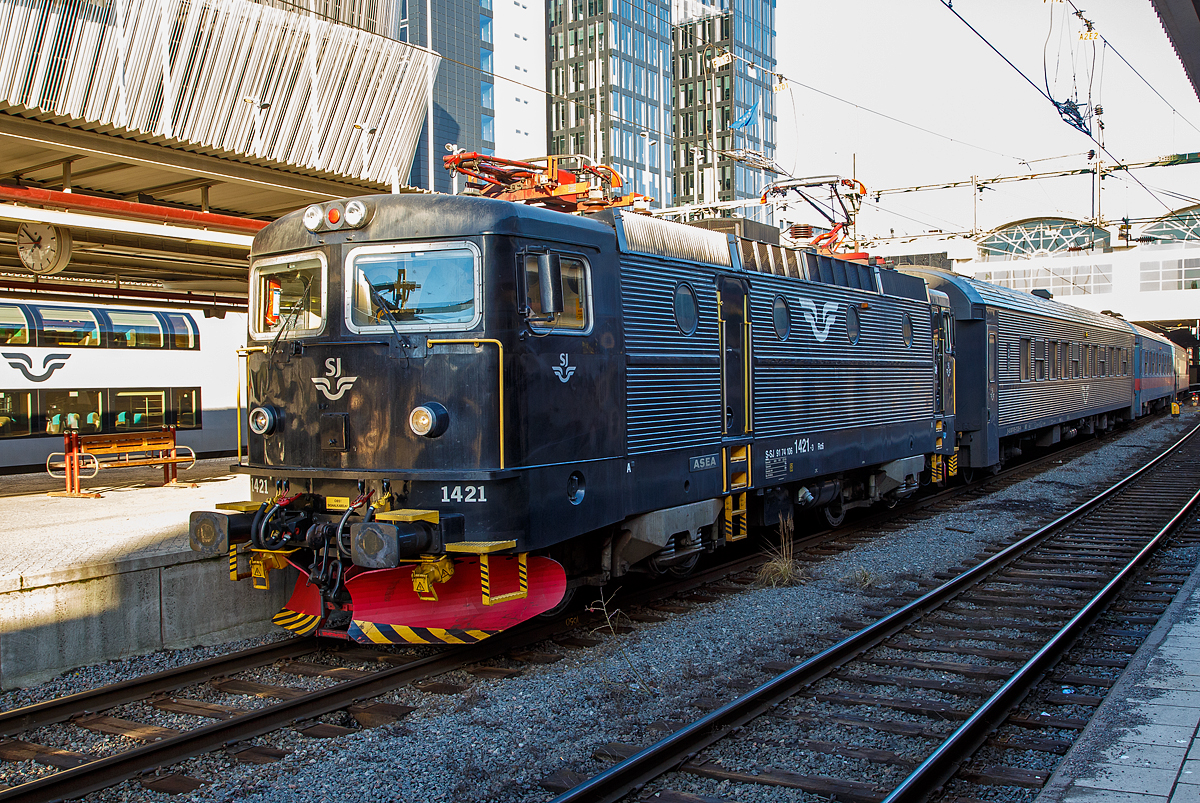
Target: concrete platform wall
(64, 619)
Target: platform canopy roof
(164, 161)
(1181, 19)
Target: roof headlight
(429, 420)
(314, 216)
(334, 216)
(356, 214)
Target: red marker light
(334, 216)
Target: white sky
(916, 61)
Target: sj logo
(24, 364)
(563, 371)
(333, 384)
(828, 316)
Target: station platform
(89, 580)
(1143, 744)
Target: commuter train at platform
(461, 409)
(100, 368)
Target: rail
(672, 751)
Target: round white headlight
(356, 214)
(313, 217)
(429, 420)
(263, 420)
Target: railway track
(346, 671)
(901, 709)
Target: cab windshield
(414, 289)
(288, 297)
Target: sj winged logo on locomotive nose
(24, 364)
(563, 371)
(333, 384)
(828, 316)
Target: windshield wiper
(292, 315)
(383, 307)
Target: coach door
(736, 401)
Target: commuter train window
(781, 316)
(79, 410)
(575, 284)
(139, 409)
(14, 330)
(136, 330)
(67, 326)
(687, 308)
(1026, 359)
(187, 408)
(853, 327)
(183, 331)
(1101, 367)
(287, 294)
(1039, 359)
(16, 413)
(1052, 358)
(431, 288)
(906, 329)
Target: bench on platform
(119, 450)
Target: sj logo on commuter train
(24, 364)
(333, 384)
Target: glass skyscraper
(609, 80)
(739, 90)
(633, 84)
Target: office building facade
(609, 80)
(723, 107)
(633, 84)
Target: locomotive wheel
(835, 513)
(563, 604)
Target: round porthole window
(906, 329)
(852, 328)
(781, 314)
(687, 310)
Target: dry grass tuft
(782, 569)
(861, 578)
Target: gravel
(500, 738)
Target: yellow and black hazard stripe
(299, 623)
(378, 633)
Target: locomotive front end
(376, 442)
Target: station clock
(43, 248)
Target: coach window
(14, 331)
(135, 330)
(287, 294)
(66, 326)
(852, 324)
(1039, 358)
(183, 331)
(1101, 365)
(187, 408)
(139, 409)
(73, 410)
(906, 330)
(1052, 358)
(1026, 359)
(687, 310)
(16, 413)
(575, 284)
(781, 315)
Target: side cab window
(574, 297)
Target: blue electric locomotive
(463, 408)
